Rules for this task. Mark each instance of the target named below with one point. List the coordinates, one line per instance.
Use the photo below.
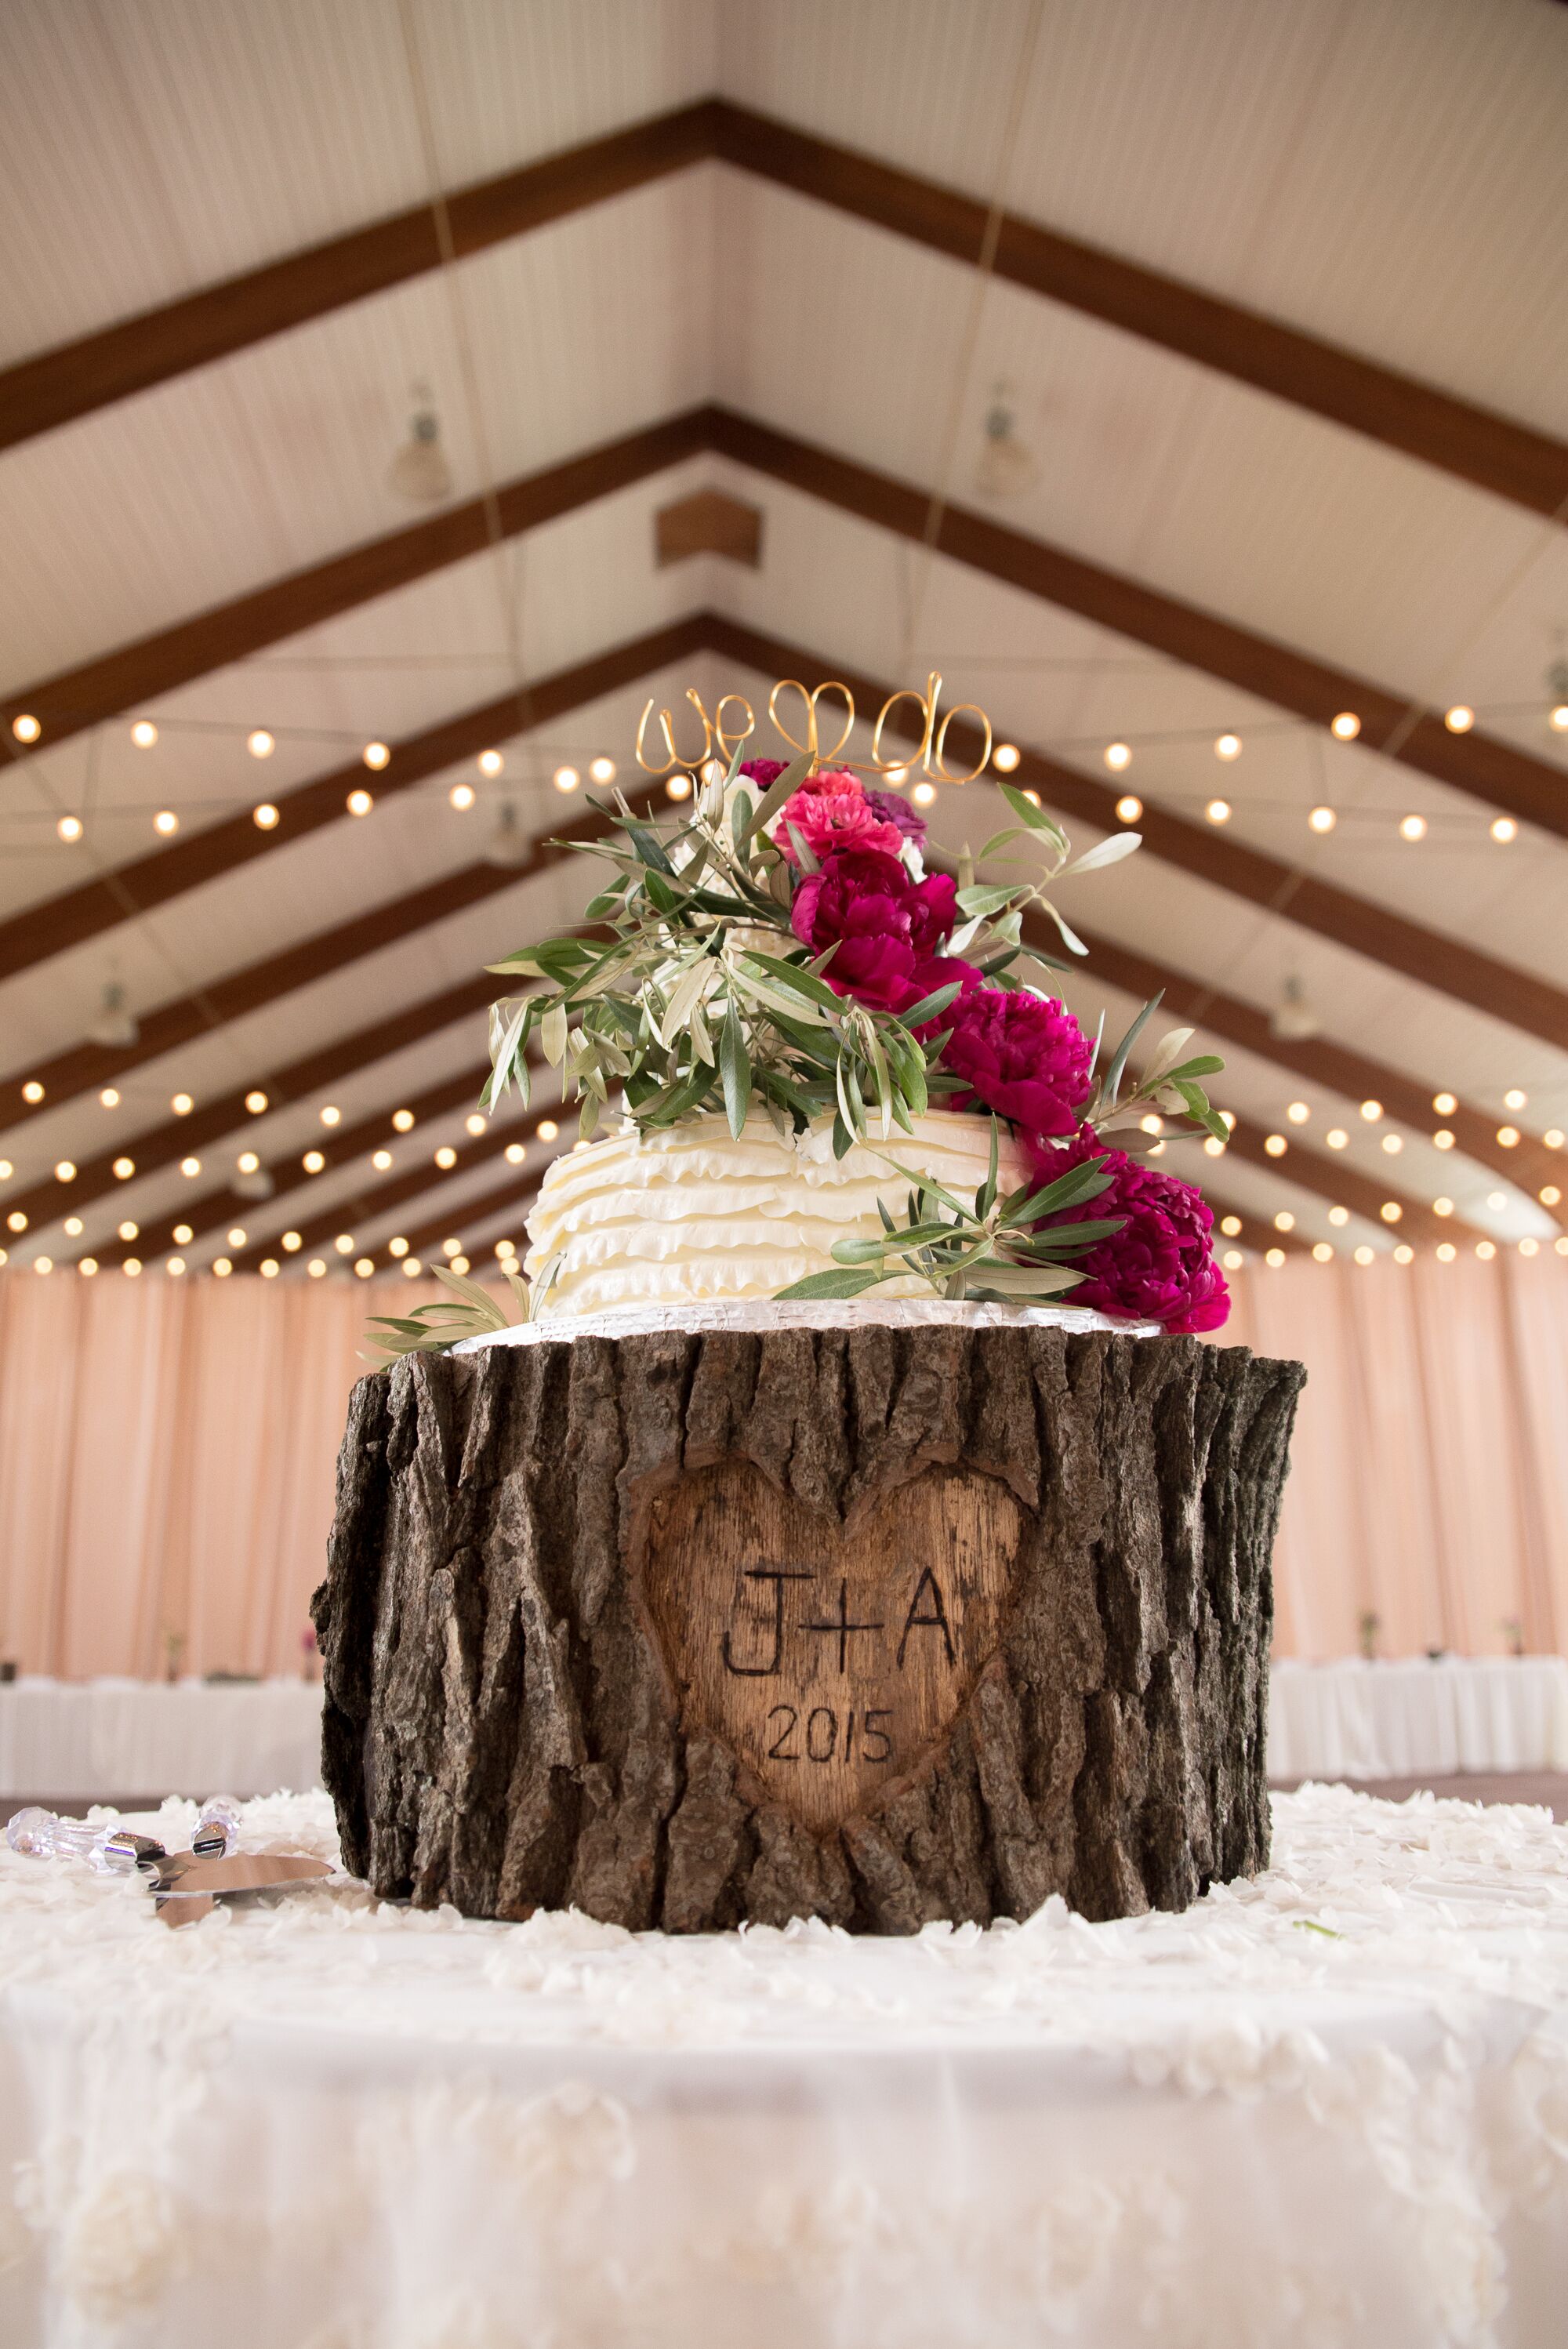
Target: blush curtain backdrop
(167, 1453)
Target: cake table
(1325, 2106)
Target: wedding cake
(804, 1536)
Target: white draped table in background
(1417, 1717)
(86, 1740)
(1325, 2110)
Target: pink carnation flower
(1023, 1056)
(1160, 1266)
(830, 812)
(887, 925)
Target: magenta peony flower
(898, 811)
(886, 925)
(830, 812)
(764, 772)
(1160, 1266)
(1023, 1056)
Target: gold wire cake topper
(929, 755)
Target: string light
(1213, 1147)
(446, 1157)
(25, 728)
(109, 1097)
(190, 1169)
(896, 777)
(451, 1247)
(1529, 1247)
(65, 1172)
(1548, 1195)
(1364, 1255)
(144, 733)
(1447, 1252)
(381, 1160)
(166, 822)
(1130, 807)
(1153, 1122)
(1393, 1144)
(261, 744)
(359, 802)
(1558, 719)
(398, 1247)
(566, 779)
(1322, 819)
(490, 763)
(1336, 1138)
(515, 1153)
(475, 1124)
(1273, 1258)
(1404, 1253)
(344, 1242)
(1298, 1112)
(376, 756)
(313, 1162)
(547, 1129)
(678, 787)
(1234, 1259)
(1459, 718)
(74, 1227)
(1443, 1139)
(1229, 746)
(1442, 1206)
(1322, 1252)
(131, 1267)
(1285, 1221)
(924, 794)
(292, 1242)
(237, 1238)
(1218, 810)
(1005, 758)
(601, 769)
(87, 1267)
(129, 1231)
(504, 1248)
(1552, 1137)
(1514, 1098)
(1346, 727)
(256, 1101)
(1230, 1225)
(1412, 827)
(1117, 757)
(411, 1268)
(1371, 1111)
(46, 1264)
(183, 1235)
(1485, 1250)
(264, 817)
(269, 1268)
(1497, 1201)
(1444, 1103)
(70, 827)
(316, 1268)
(123, 1169)
(1338, 1216)
(16, 1221)
(33, 1090)
(462, 796)
(1504, 830)
(1508, 1137)
(182, 1104)
(222, 1268)
(1275, 1145)
(1391, 1211)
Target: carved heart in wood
(831, 1660)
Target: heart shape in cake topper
(833, 1660)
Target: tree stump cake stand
(870, 1623)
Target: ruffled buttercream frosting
(694, 1214)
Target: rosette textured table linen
(1326, 2106)
(1418, 1716)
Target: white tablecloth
(84, 1740)
(1414, 1717)
(1325, 2110)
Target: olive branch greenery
(470, 1312)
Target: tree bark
(871, 1624)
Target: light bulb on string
(260, 743)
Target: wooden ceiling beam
(39, 394)
(133, 675)
(1474, 443)
(1535, 790)
(1494, 452)
(54, 924)
(1527, 1163)
(1432, 958)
